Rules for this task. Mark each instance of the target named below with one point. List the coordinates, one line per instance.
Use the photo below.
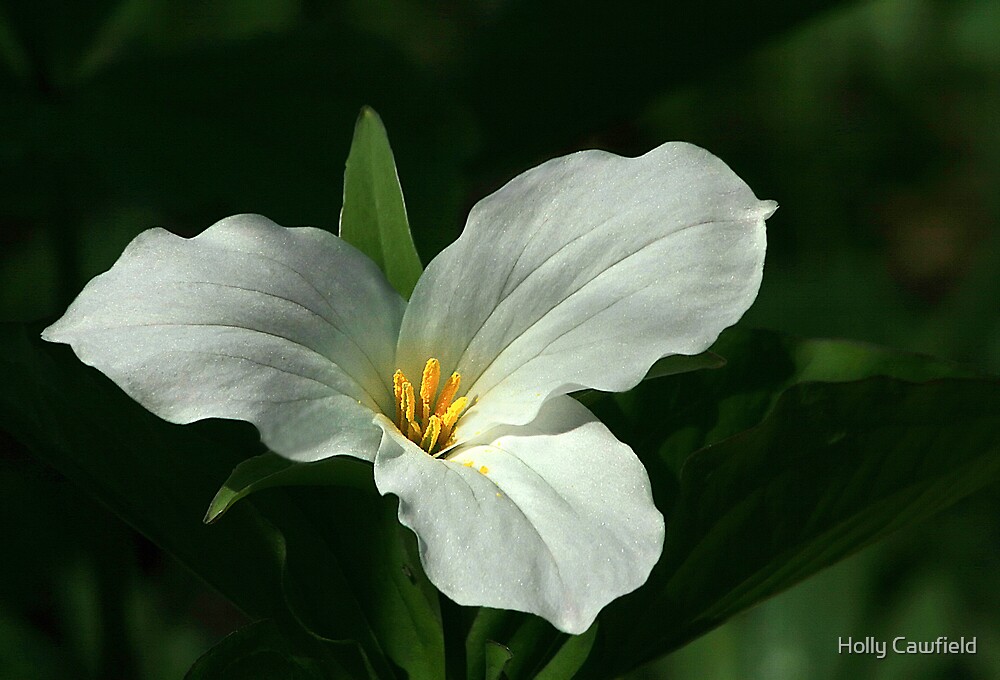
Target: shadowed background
(873, 124)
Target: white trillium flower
(580, 273)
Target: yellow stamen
(431, 433)
(406, 405)
(448, 393)
(450, 417)
(428, 424)
(468, 463)
(397, 392)
(397, 383)
(429, 387)
(410, 404)
(484, 470)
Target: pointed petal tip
(531, 499)
(767, 208)
(573, 620)
(51, 332)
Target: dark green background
(873, 124)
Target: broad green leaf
(535, 646)
(383, 568)
(805, 455)
(497, 657)
(258, 652)
(269, 470)
(373, 218)
(696, 409)
(153, 474)
(487, 625)
(331, 560)
(570, 657)
(354, 532)
(672, 365)
(681, 363)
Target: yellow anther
(484, 470)
(448, 393)
(419, 418)
(450, 417)
(397, 392)
(431, 433)
(468, 463)
(409, 404)
(429, 387)
(407, 407)
(397, 383)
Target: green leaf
(330, 560)
(383, 570)
(153, 474)
(697, 409)
(373, 218)
(681, 363)
(537, 649)
(258, 652)
(805, 455)
(672, 365)
(570, 657)
(350, 549)
(270, 470)
(497, 657)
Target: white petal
(584, 271)
(559, 523)
(291, 329)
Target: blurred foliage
(872, 123)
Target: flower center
(424, 421)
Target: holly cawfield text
(902, 645)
